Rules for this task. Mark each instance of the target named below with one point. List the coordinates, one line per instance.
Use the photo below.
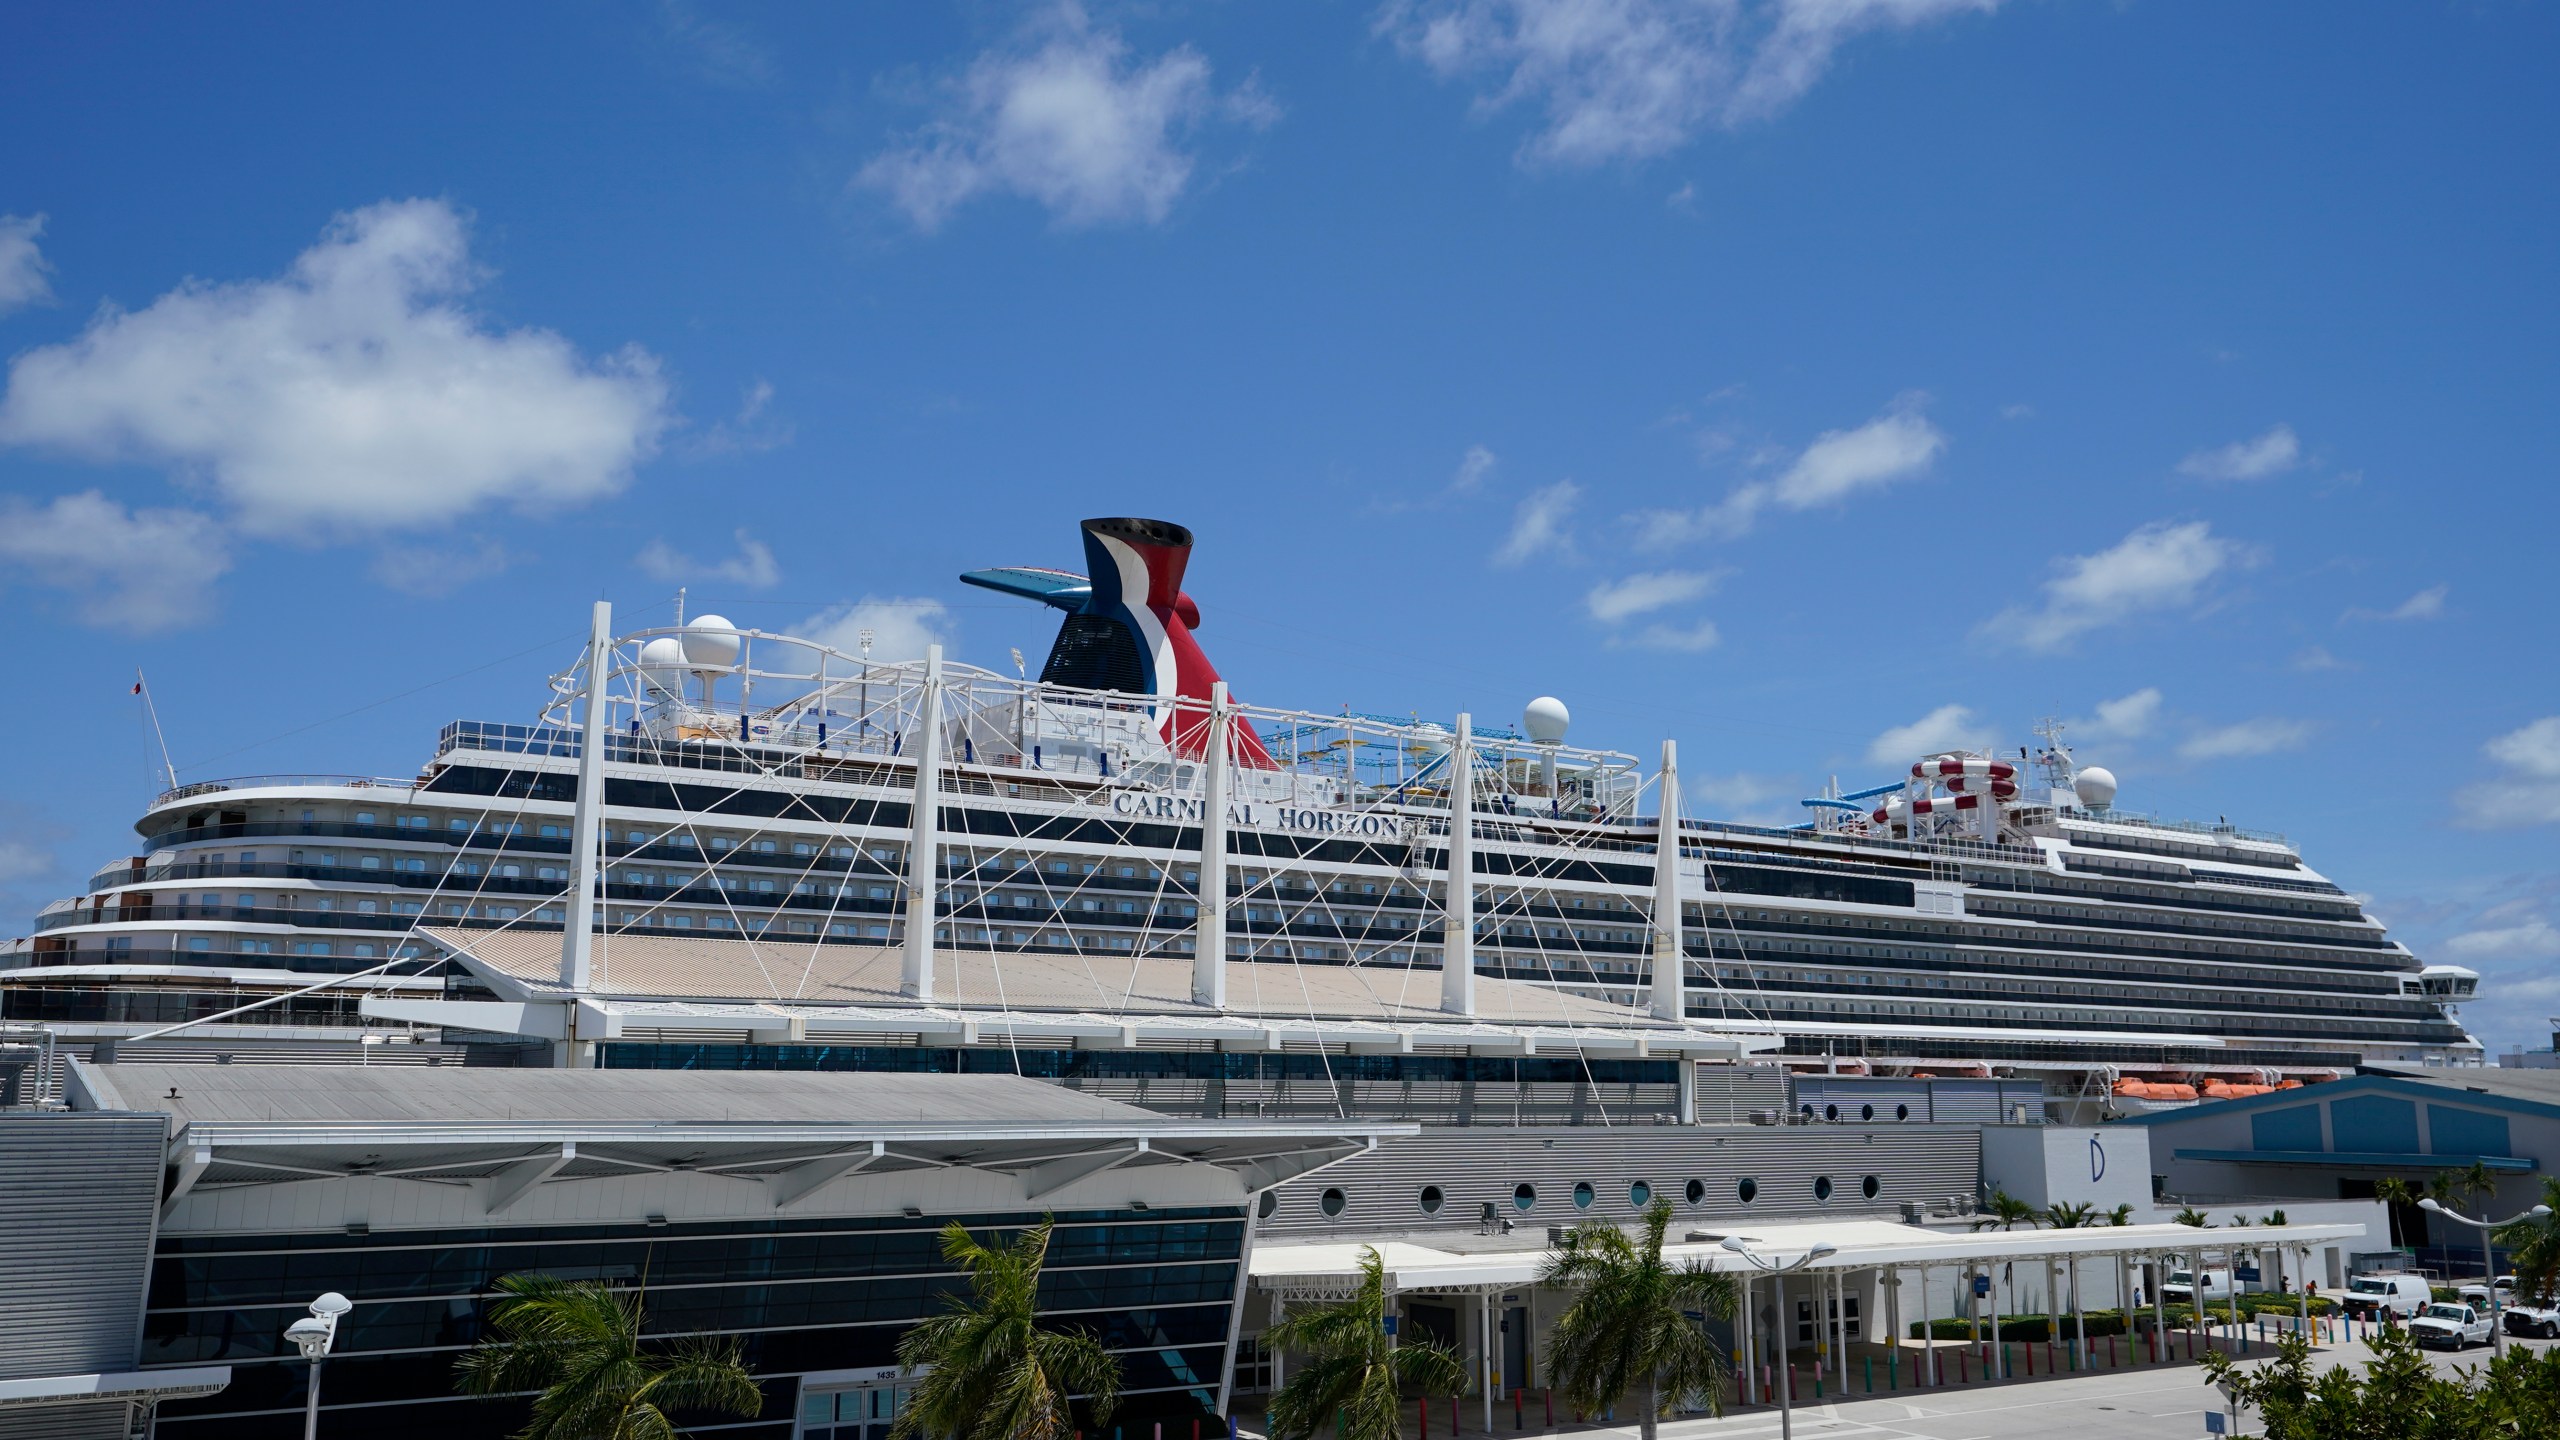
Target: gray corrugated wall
(1381, 1191)
(1946, 1102)
(78, 1196)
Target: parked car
(2542, 1320)
(2479, 1294)
(2452, 1327)
(2397, 1295)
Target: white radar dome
(711, 643)
(2096, 786)
(662, 660)
(1545, 719)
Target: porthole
(1870, 1187)
(1747, 1191)
(1830, 1112)
(1866, 1112)
(1697, 1191)
(1268, 1205)
(1524, 1196)
(1432, 1199)
(1821, 1187)
(1901, 1112)
(1806, 1109)
(1582, 1195)
(1332, 1203)
(1639, 1195)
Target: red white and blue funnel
(1129, 628)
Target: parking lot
(2151, 1403)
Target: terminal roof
(671, 983)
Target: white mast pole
(1209, 938)
(578, 937)
(924, 849)
(1669, 957)
(1458, 917)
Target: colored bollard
(1871, 1374)
(1422, 1408)
(1892, 1370)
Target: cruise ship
(1973, 915)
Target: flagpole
(151, 712)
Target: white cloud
(1540, 524)
(432, 571)
(1742, 798)
(901, 626)
(753, 566)
(1629, 79)
(23, 861)
(1949, 727)
(352, 396)
(22, 265)
(1689, 639)
(1616, 600)
(2248, 738)
(2261, 458)
(2531, 939)
(1473, 466)
(2127, 717)
(2427, 604)
(720, 53)
(140, 571)
(2318, 658)
(2529, 792)
(1896, 445)
(752, 431)
(1065, 117)
(2158, 567)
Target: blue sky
(1810, 382)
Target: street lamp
(2488, 1260)
(313, 1336)
(1777, 1270)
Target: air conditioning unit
(1764, 1117)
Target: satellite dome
(2096, 787)
(711, 643)
(662, 660)
(1545, 719)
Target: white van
(2182, 1285)
(2400, 1295)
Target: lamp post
(2488, 1260)
(1777, 1270)
(313, 1336)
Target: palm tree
(2192, 1216)
(2476, 1184)
(577, 1343)
(2394, 1192)
(2004, 1211)
(995, 1373)
(2272, 1217)
(2070, 1216)
(1631, 1327)
(1356, 1377)
(2121, 1215)
(2535, 1239)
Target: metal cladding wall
(79, 1195)
(1479, 1166)
(1943, 1102)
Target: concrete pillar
(1209, 937)
(1670, 956)
(1458, 921)
(924, 844)
(578, 936)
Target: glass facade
(805, 1296)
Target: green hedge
(2030, 1328)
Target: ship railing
(262, 782)
(2189, 827)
